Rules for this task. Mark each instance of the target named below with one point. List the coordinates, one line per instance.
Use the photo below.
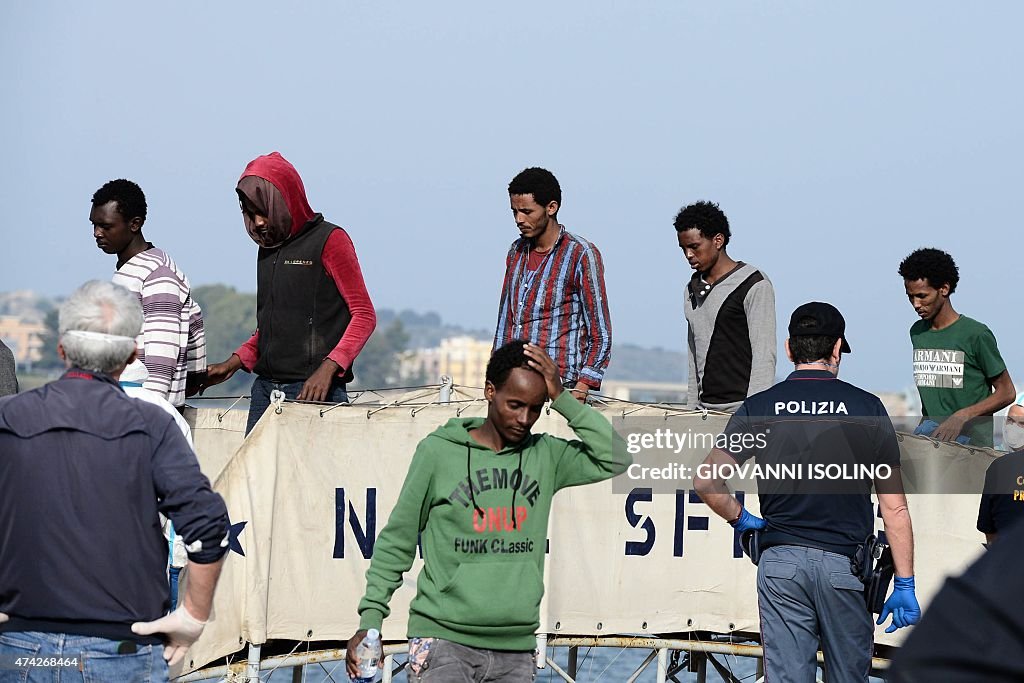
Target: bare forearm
(900, 532)
(715, 494)
(717, 497)
(725, 505)
(992, 404)
(199, 588)
(1002, 395)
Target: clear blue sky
(836, 138)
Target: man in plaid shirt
(553, 293)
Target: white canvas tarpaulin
(217, 434)
(314, 487)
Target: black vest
(300, 313)
(729, 354)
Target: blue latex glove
(748, 521)
(927, 427)
(902, 605)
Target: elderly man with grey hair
(85, 472)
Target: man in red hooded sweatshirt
(313, 313)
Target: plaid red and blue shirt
(561, 307)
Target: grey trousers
(806, 597)
(449, 662)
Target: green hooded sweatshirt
(484, 528)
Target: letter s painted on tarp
(639, 547)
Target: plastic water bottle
(368, 652)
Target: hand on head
(543, 364)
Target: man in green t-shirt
(958, 371)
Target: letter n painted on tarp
(639, 547)
(364, 536)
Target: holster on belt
(750, 542)
(873, 565)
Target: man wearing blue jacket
(85, 472)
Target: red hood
(279, 172)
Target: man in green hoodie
(478, 493)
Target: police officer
(843, 441)
(1002, 501)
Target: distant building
(644, 392)
(464, 359)
(24, 337)
(25, 304)
(898, 405)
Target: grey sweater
(8, 378)
(731, 335)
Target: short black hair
(811, 347)
(539, 182)
(706, 217)
(506, 359)
(131, 202)
(933, 265)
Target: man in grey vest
(313, 313)
(730, 315)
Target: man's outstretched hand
(220, 372)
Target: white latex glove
(179, 628)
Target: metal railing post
(248, 668)
(252, 664)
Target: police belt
(872, 564)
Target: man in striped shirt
(553, 294)
(172, 344)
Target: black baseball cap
(828, 321)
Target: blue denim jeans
(98, 660)
(259, 397)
